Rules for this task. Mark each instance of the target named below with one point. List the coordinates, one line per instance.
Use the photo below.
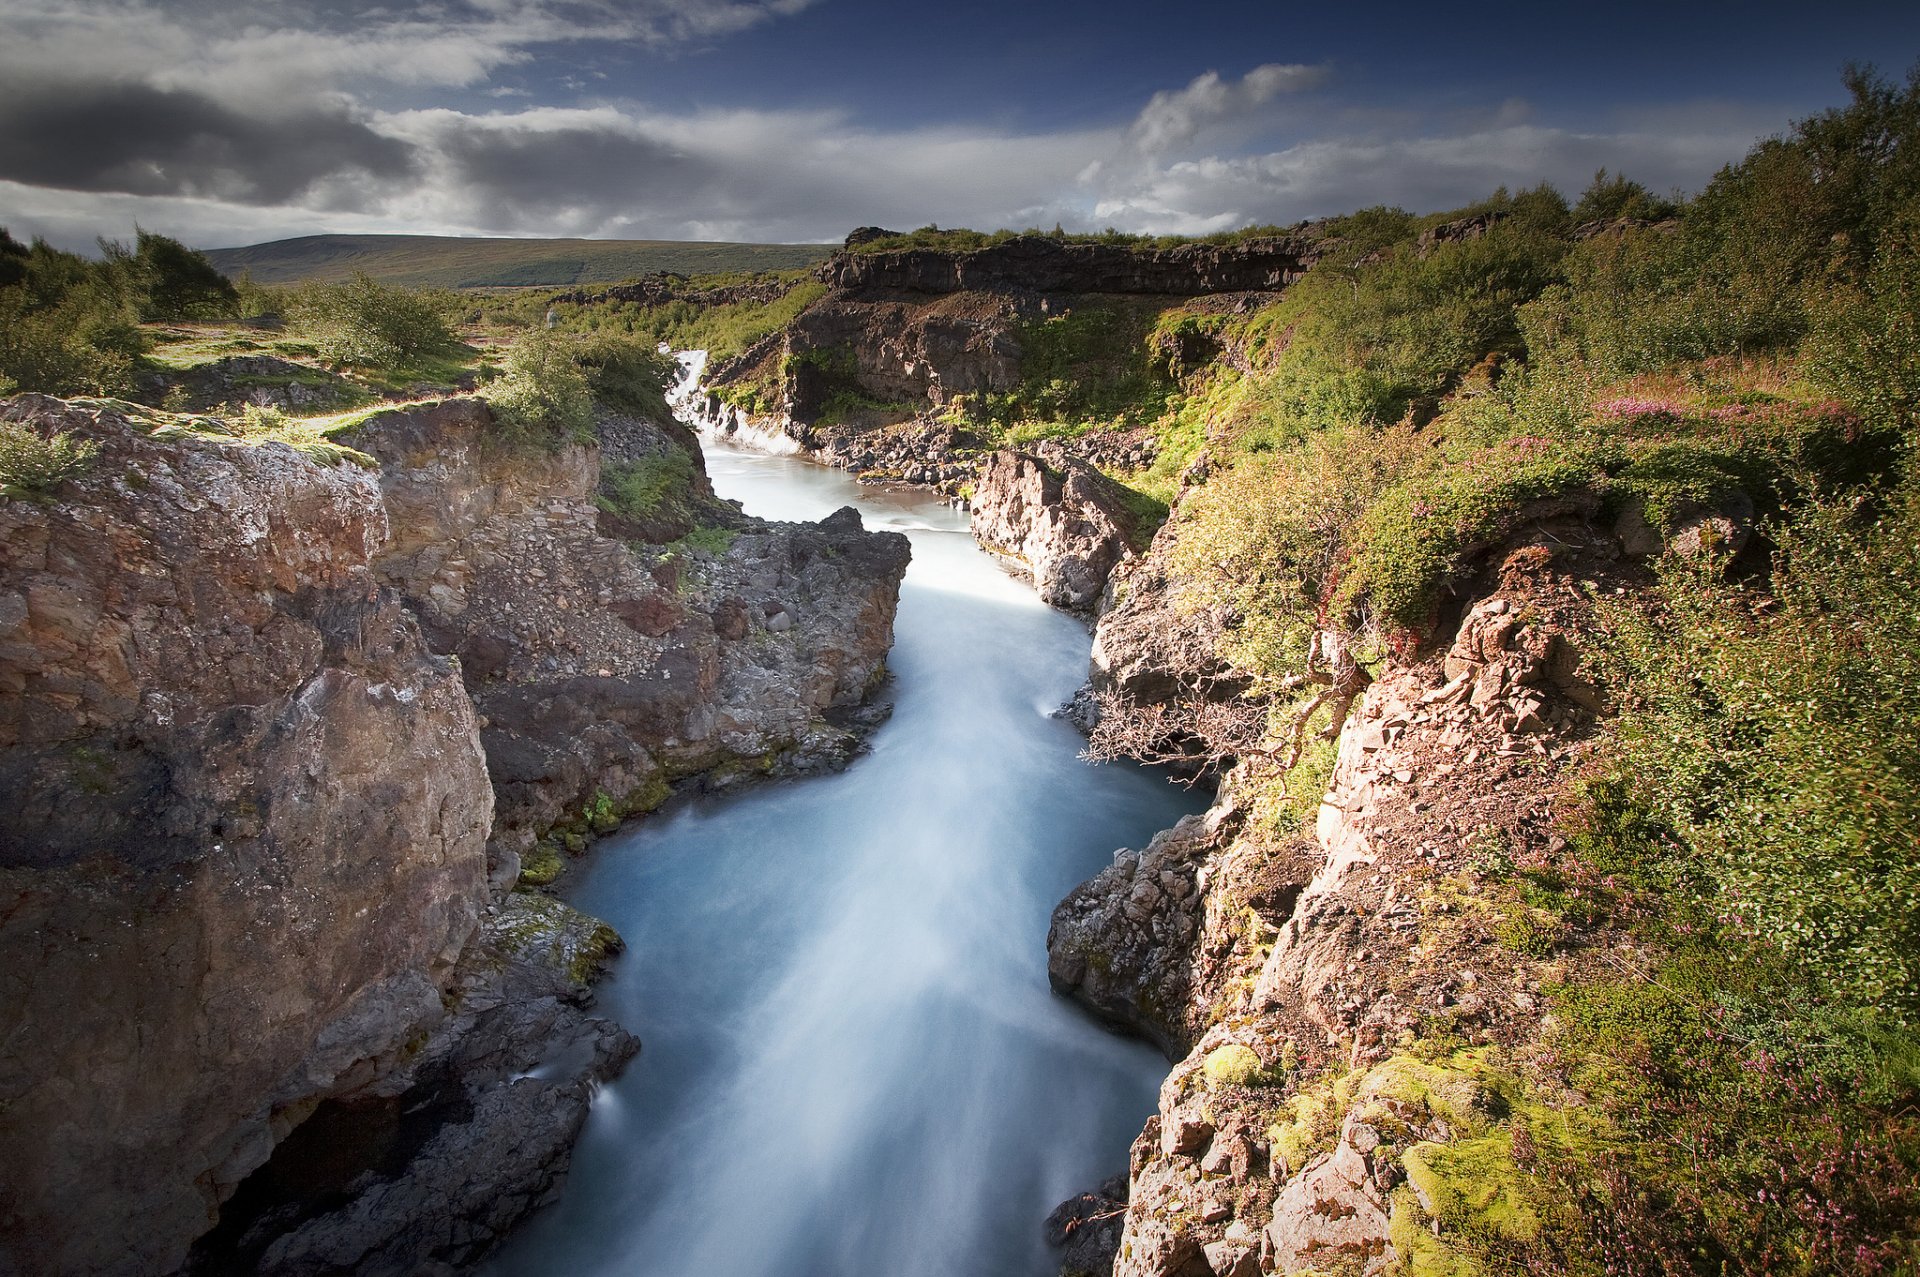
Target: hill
(450, 262)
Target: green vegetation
(642, 489)
(366, 324)
(1739, 1095)
(1091, 366)
(723, 331)
(541, 393)
(431, 261)
(173, 281)
(31, 462)
(67, 325)
(626, 375)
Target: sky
(225, 122)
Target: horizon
(795, 121)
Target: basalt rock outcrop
(869, 377)
(1041, 264)
(669, 286)
(1063, 522)
(245, 843)
(264, 381)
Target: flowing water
(852, 1065)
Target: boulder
(1061, 520)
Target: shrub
(627, 375)
(1865, 344)
(1610, 197)
(1776, 743)
(541, 392)
(369, 324)
(649, 487)
(32, 462)
(67, 325)
(1267, 538)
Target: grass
(433, 261)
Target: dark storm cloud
(521, 178)
(140, 140)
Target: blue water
(852, 1064)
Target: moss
(540, 928)
(1235, 1065)
(1418, 1252)
(1473, 1186)
(542, 866)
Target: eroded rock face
(245, 844)
(1258, 1159)
(1122, 943)
(1064, 522)
(430, 1166)
(603, 670)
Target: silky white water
(852, 1064)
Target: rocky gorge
(294, 733)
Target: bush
(1777, 743)
(649, 487)
(1608, 198)
(1268, 537)
(627, 376)
(1865, 345)
(67, 325)
(541, 392)
(31, 462)
(368, 324)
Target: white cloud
(1173, 118)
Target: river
(852, 1065)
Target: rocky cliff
(258, 976)
(1289, 975)
(884, 375)
(1041, 264)
(247, 815)
(607, 669)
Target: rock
(1037, 263)
(1332, 1214)
(1086, 1228)
(1066, 523)
(603, 704)
(491, 1104)
(247, 811)
(1225, 1259)
(1691, 529)
(1186, 1133)
(1123, 947)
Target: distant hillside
(448, 262)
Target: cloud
(1173, 118)
(264, 54)
(1422, 173)
(140, 140)
(781, 175)
(296, 116)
